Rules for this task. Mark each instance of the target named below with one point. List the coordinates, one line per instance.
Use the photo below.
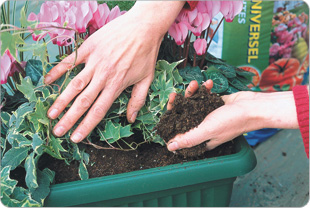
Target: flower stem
(208, 45)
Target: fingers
(137, 100)
(82, 103)
(61, 68)
(187, 140)
(73, 89)
(95, 114)
(208, 84)
(192, 88)
(171, 100)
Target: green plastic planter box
(204, 183)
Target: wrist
(156, 16)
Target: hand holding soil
(242, 112)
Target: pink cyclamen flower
(230, 9)
(6, 63)
(200, 46)
(179, 32)
(100, 17)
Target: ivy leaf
(220, 83)
(162, 88)
(170, 69)
(43, 179)
(7, 184)
(22, 112)
(191, 73)
(23, 19)
(56, 147)
(27, 88)
(114, 132)
(37, 144)
(39, 116)
(31, 172)
(5, 118)
(9, 42)
(158, 139)
(83, 173)
(125, 131)
(14, 157)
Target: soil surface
(110, 162)
(188, 113)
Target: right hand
(220, 126)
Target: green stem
(8, 9)
(14, 10)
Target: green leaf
(40, 193)
(125, 131)
(242, 72)
(158, 139)
(220, 83)
(146, 118)
(14, 157)
(238, 84)
(7, 184)
(5, 118)
(114, 132)
(31, 172)
(213, 59)
(37, 144)
(83, 173)
(22, 112)
(27, 88)
(9, 42)
(23, 19)
(56, 147)
(227, 70)
(191, 73)
(34, 70)
(39, 116)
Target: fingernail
(77, 137)
(53, 113)
(173, 146)
(133, 117)
(47, 80)
(59, 131)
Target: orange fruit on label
(254, 79)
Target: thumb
(189, 139)
(137, 100)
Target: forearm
(156, 15)
(272, 110)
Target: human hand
(242, 112)
(113, 61)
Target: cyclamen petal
(200, 46)
(230, 9)
(179, 32)
(5, 64)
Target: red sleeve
(301, 97)
(192, 4)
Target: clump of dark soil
(188, 113)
